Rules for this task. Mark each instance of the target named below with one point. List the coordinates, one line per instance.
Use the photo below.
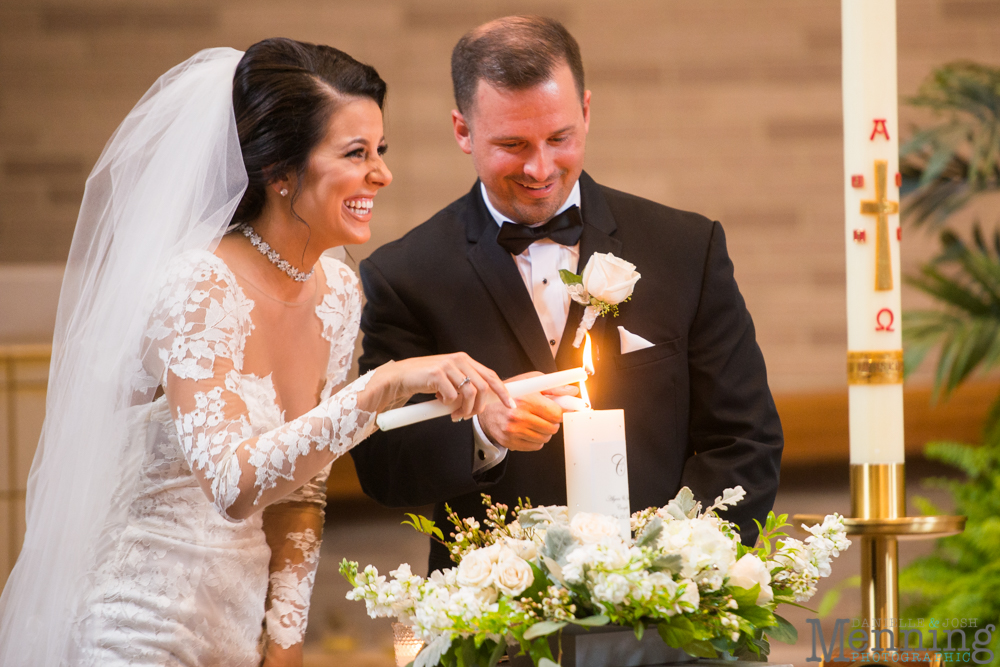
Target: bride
(197, 397)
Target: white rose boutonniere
(607, 281)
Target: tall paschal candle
(872, 232)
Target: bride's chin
(356, 232)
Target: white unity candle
(872, 231)
(418, 412)
(597, 464)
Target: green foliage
(543, 629)
(957, 160)
(680, 632)
(424, 525)
(961, 578)
(773, 529)
(349, 571)
(960, 157)
(591, 621)
(473, 652)
(570, 278)
(783, 632)
(965, 279)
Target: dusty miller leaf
(650, 534)
(558, 543)
(684, 506)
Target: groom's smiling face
(527, 145)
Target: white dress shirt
(539, 267)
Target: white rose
(748, 571)
(594, 528)
(476, 569)
(512, 574)
(608, 278)
(525, 549)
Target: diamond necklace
(272, 256)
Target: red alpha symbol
(857, 181)
(880, 324)
(860, 236)
(879, 129)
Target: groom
(482, 276)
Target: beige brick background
(727, 107)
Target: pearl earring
(284, 192)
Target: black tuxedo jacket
(698, 411)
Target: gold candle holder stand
(878, 508)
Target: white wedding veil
(169, 180)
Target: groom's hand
(531, 424)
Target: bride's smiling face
(344, 173)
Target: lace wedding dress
(182, 582)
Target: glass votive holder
(405, 644)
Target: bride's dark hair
(284, 93)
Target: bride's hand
(275, 656)
(459, 381)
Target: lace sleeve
(340, 313)
(294, 528)
(198, 333)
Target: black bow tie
(565, 229)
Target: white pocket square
(631, 342)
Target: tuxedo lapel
(497, 270)
(598, 226)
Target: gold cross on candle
(881, 208)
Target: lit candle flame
(588, 365)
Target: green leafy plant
(956, 161)
(965, 279)
(958, 158)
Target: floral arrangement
(531, 571)
(607, 281)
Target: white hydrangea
(706, 553)
(611, 588)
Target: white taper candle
(418, 412)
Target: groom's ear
(463, 133)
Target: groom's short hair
(514, 52)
